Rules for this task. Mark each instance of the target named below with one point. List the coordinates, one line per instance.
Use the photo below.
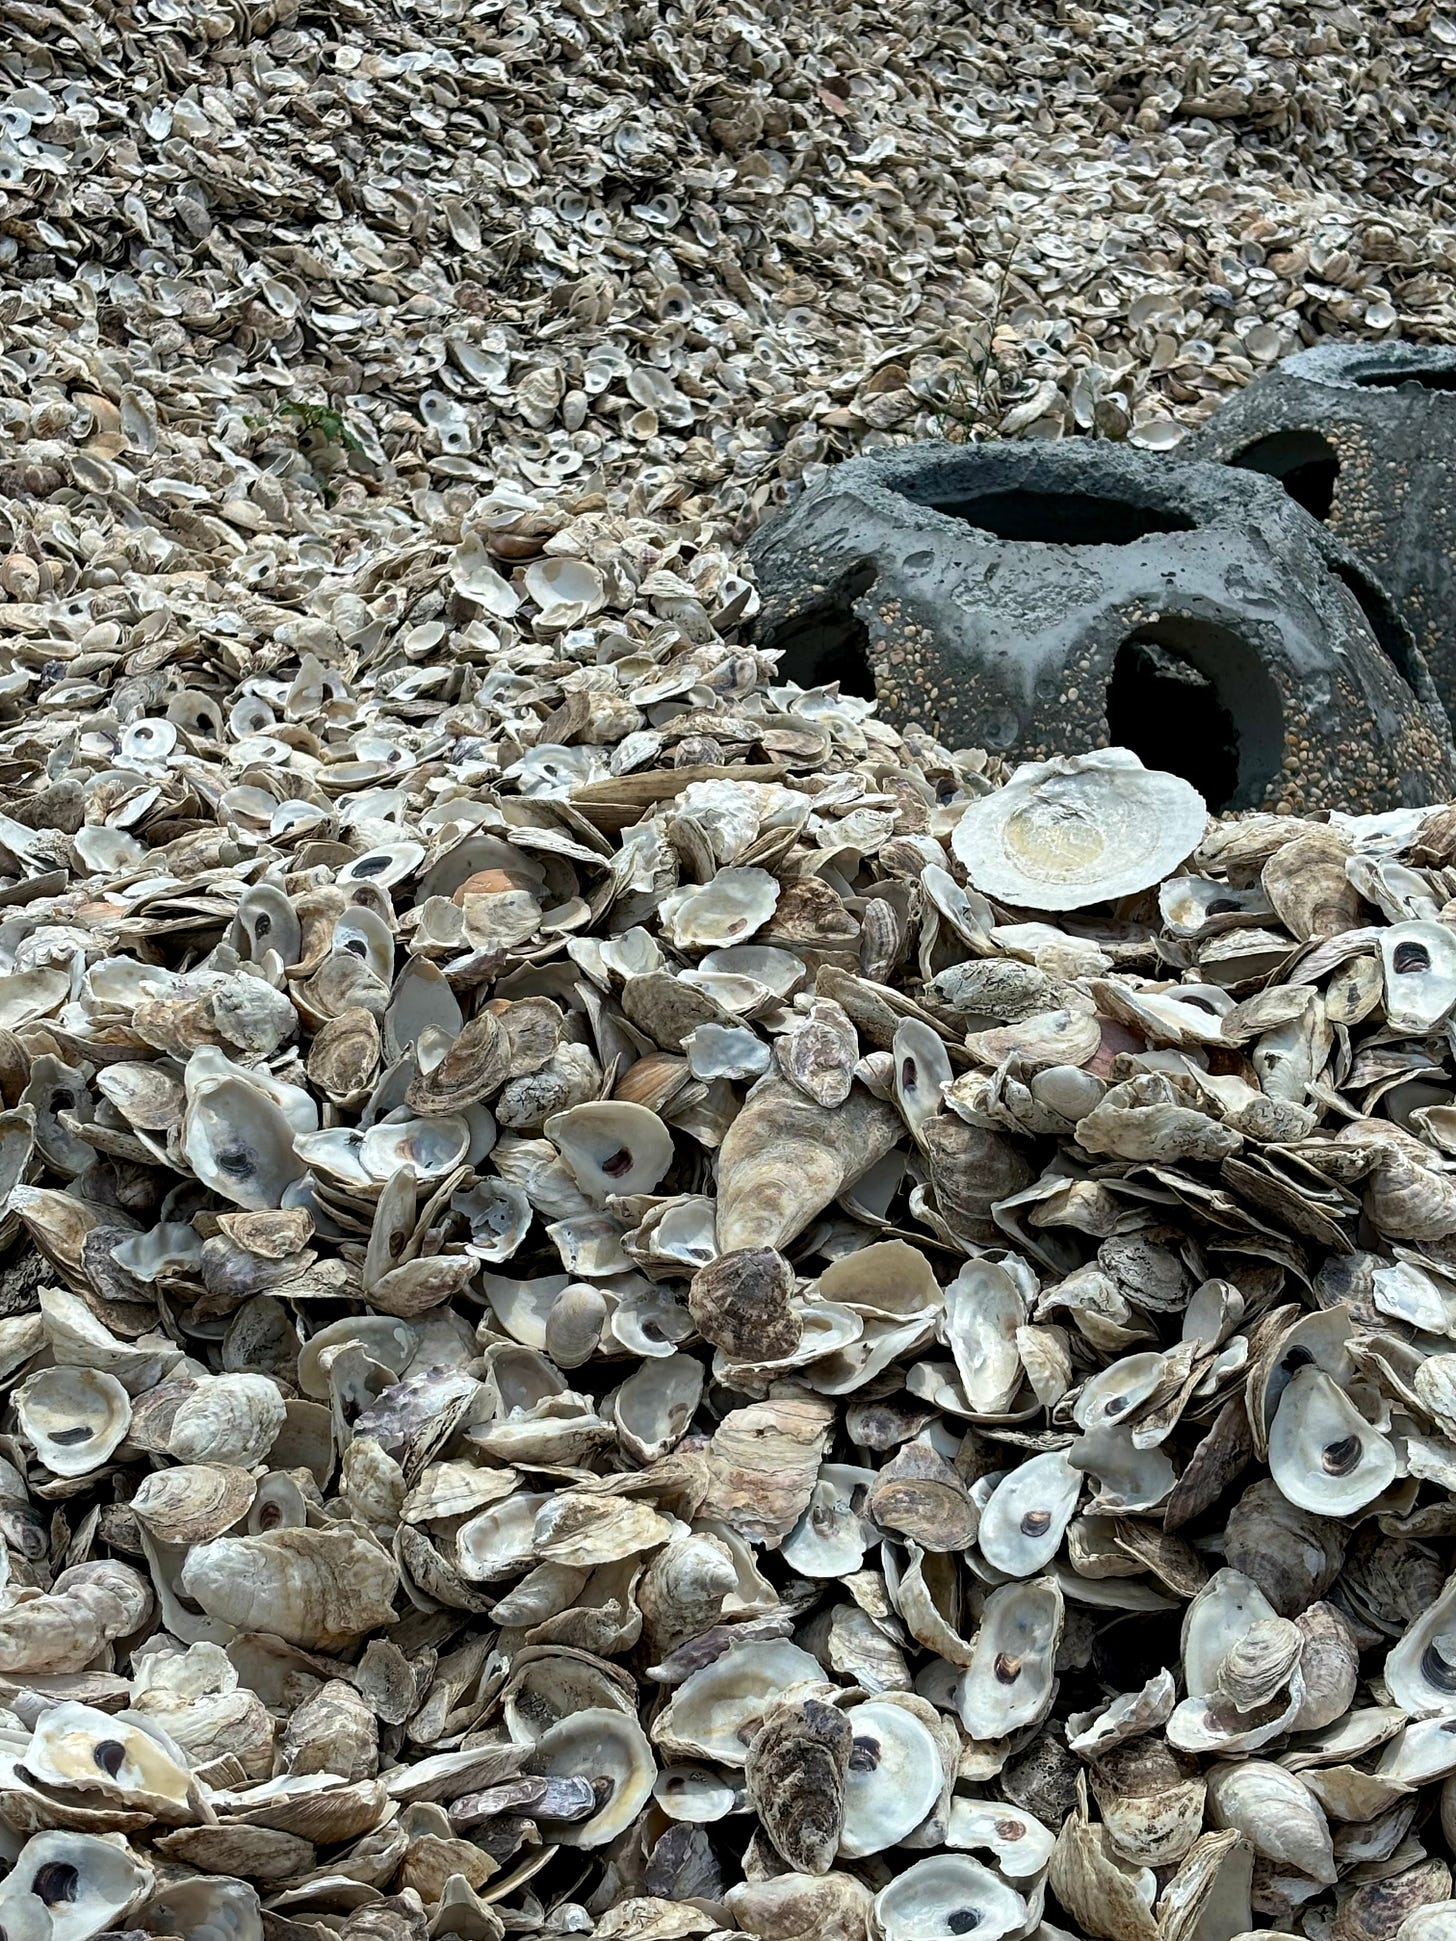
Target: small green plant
(966, 411)
(325, 419)
(317, 429)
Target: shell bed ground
(602, 1332)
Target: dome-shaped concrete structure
(1040, 599)
(1363, 436)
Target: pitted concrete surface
(1011, 643)
(1387, 414)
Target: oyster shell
(314, 1588)
(947, 1894)
(1079, 829)
(578, 1225)
(797, 1767)
(74, 1418)
(85, 1882)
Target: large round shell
(1079, 829)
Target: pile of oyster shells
(631, 1303)
(265, 268)
(635, 1304)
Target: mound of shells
(274, 277)
(635, 1305)
(631, 1304)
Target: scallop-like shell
(1079, 829)
(741, 1303)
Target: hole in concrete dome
(829, 642)
(1059, 518)
(1380, 617)
(1428, 380)
(1190, 696)
(1305, 464)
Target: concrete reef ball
(1044, 599)
(1363, 436)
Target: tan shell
(1329, 1667)
(62, 1630)
(193, 1502)
(786, 1157)
(801, 1907)
(1275, 1813)
(315, 1588)
(1103, 1893)
(1151, 1800)
(761, 1465)
(232, 1420)
(918, 1495)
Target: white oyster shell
(1079, 829)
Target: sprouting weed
(325, 419)
(965, 416)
